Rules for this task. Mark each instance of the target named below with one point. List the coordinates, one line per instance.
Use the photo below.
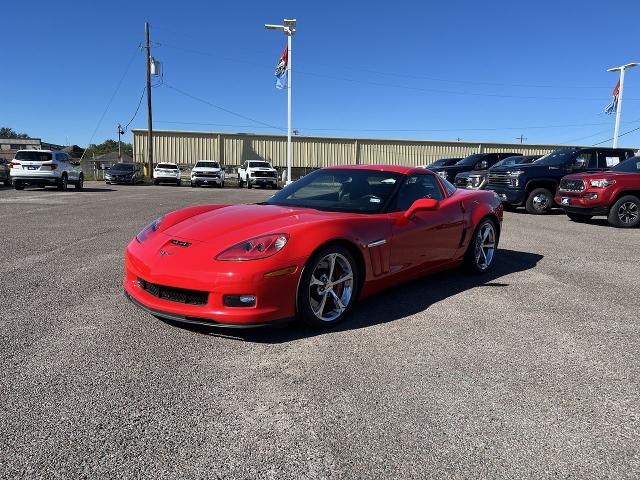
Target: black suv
(477, 179)
(477, 161)
(534, 185)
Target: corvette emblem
(164, 252)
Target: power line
(221, 108)
(126, 70)
(621, 135)
(137, 108)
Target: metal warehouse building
(232, 149)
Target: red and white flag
(281, 69)
(613, 105)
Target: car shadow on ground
(393, 304)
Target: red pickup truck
(613, 193)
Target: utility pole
(149, 115)
(522, 138)
(120, 132)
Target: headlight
(147, 231)
(476, 181)
(255, 248)
(601, 183)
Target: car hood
(529, 169)
(598, 174)
(205, 169)
(232, 224)
(482, 173)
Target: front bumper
(510, 196)
(167, 179)
(275, 296)
(578, 203)
(119, 179)
(206, 180)
(263, 180)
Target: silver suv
(45, 167)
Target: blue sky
(406, 69)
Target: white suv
(207, 172)
(257, 172)
(166, 173)
(45, 167)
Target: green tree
(108, 146)
(6, 132)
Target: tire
(239, 181)
(249, 185)
(222, 184)
(317, 305)
(178, 183)
(7, 183)
(80, 183)
(155, 182)
(18, 185)
(578, 217)
(194, 185)
(63, 183)
(483, 246)
(107, 183)
(625, 213)
(539, 202)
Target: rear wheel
(18, 185)
(80, 183)
(578, 217)
(328, 287)
(625, 213)
(482, 248)
(178, 183)
(155, 182)
(63, 183)
(239, 181)
(539, 201)
(7, 183)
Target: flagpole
(621, 69)
(289, 145)
(618, 109)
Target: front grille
(173, 294)
(264, 174)
(499, 180)
(209, 175)
(570, 185)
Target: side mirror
(420, 205)
(481, 165)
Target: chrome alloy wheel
(331, 287)
(628, 213)
(541, 202)
(485, 245)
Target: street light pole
(289, 29)
(621, 69)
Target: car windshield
(122, 167)
(557, 157)
(259, 165)
(207, 165)
(631, 165)
(509, 161)
(340, 190)
(443, 162)
(34, 156)
(470, 160)
(168, 166)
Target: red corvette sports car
(312, 249)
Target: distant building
(9, 147)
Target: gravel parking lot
(530, 372)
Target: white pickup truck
(257, 172)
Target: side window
(584, 160)
(415, 187)
(609, 159)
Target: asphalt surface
(530, 372)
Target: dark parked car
(4, 172)
(125, 173)
(534, 185)
(477, 179)
(477, 161)
(443, 162)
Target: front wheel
(80, 183)
(249, 185)
(328, 287)
(578, 217)
(539, 201)
(625, 213)
(482, 248)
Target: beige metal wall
(308, 152)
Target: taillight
(14, 164)
(53, 166)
